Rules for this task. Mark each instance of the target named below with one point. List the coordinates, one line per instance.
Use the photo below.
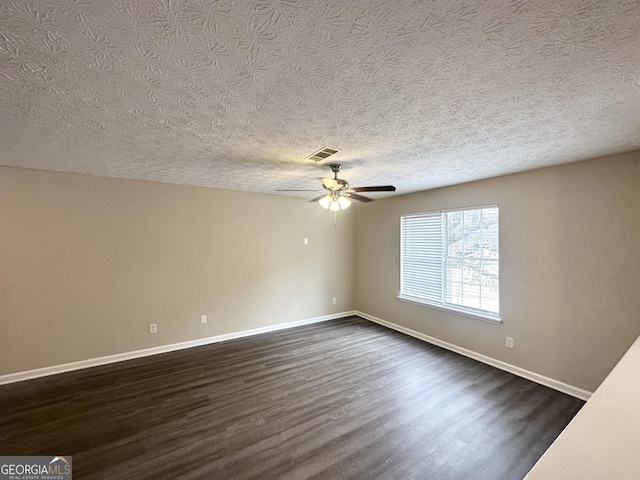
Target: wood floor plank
(340, 399)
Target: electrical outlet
(509, 342)
(203, 319)
(334, 300)
(306, 241)
(153, 328)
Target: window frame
(472, 312)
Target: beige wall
(570, 267)
(87, 263)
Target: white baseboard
(521, 372)
(93, 362)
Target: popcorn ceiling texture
(235, 94)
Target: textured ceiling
(235, 94)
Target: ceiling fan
(340, 192)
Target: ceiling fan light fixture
(344, 203)
(325, 201)
(334, 206)
(334, 202)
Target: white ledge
(603, 439)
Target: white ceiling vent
(322, 154)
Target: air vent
(323, 154)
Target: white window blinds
(422, 250)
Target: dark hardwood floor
(335, 400)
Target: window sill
(465, 313)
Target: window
(449, 259)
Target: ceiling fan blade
(316, 190)
(381, 188)
(360, 198)
(317, 198)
